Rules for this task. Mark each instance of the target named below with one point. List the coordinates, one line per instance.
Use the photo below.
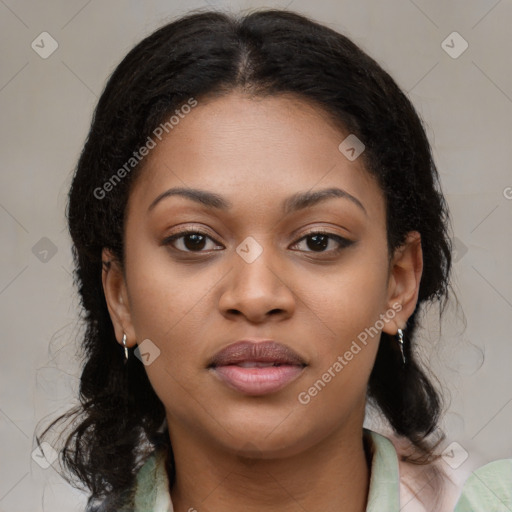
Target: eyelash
(343, 242)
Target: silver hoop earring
(401, 343)
(126, 355)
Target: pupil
(197, 241)
(321, 245)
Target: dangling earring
(401, 343)
(126, 355)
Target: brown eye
(318, 241)
(190, 241)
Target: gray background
(46, 107)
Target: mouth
(257, 368)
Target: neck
(331, 476)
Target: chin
(279, 447)
(266, 436)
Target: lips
(257, 368)
(262, 352)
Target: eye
(318, 241)
(193, 241)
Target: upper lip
(267, 351)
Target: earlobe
(406, 268)
(114, 288)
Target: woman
(257, 220)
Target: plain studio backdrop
(453, 61)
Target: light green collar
(152, 488)
(384, 493)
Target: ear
(405, 271)
(116, 295)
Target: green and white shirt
(394, 486)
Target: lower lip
(258, 381)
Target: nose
(257, 290)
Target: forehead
(256, 151)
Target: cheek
(164, 309)
(349, 299)
(347, 309)
(166, 302)
(162, 291)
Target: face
(256, 263)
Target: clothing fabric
(395, 486)
(488, 489)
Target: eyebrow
(296, 202)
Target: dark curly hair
(120, 420)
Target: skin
(260, 453)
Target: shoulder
(439, 487)
(488, 489)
